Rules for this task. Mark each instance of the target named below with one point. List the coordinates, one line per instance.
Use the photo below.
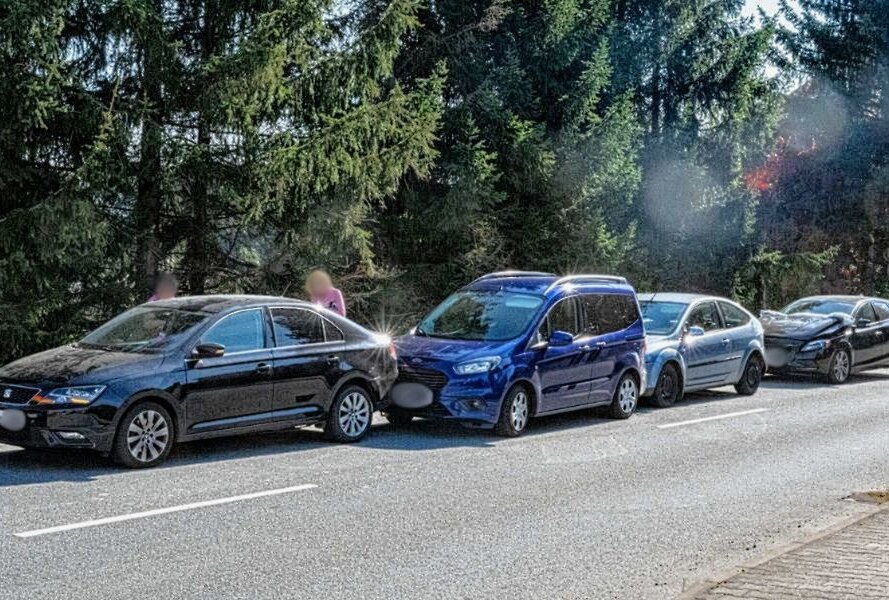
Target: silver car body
(715, 356)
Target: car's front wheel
(626, 398)
(668, 389)
(839, 367)
(752, 376)
(144, 436)
(350, 415)
(515, 412)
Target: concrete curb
(698, 588)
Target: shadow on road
(804, 381)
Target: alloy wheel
(519, 410)
(354, 414)
(628, 395)
(147, 435)
(841, 366)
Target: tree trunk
(147, 210)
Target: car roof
(839, 297)
(535, 282)
(220, 303)
(679, 297)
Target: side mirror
(695, 331)
(560, 338)
(208, 350)
(861, 323)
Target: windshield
(144, 329)
(661, 318)
(481, 315)
(824, 306)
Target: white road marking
(163, 511)
(714, 418)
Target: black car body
(831, 335)
(218, 365)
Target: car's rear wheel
(398, 417)
(350, 415)
(144, 436)
(515, 412)
(840, 366)
(752, 376)
(668, 389)
(626, 398)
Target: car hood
(427, 348)
(70, 365)
(802, 325)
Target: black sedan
(198, 367)
(831, 335)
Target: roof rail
(587, 279)
(513, 274)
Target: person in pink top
(320, 289)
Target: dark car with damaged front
(834, 336)
(198, 367)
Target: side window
(240, 332)
(332, 333)
(705, 316)
(296, 326)
(867, 312)
(606, 313)
(562, 317)
(733, 316)
(882, 310)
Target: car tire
(398, 417)
(668, 389)
(515, 412)
(144, 436)
(626, 397)
(350, 415)
(840, 366)
(751, 377)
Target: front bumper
(471, 399)
(782, 360)
(59, 428)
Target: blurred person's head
(165, 286)
(318, 283)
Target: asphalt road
(580, 507)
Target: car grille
(16, 394)
(431, 378)
(787, 344)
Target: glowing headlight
(816, 346)
(71, 395)
(480, 365)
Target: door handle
(586, 348)
(263, 368)
(333, 359)
(726, 341)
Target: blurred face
(165, 291)
(318, 284)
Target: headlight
(71, 395)
(816, 346)
(480, 365)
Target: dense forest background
(407, 146)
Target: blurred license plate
(411, 395)
(777, 357)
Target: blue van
(514, 345)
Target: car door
(867, 335)
(707, 354)
(881, 307)
(604, 316)
(737, 329)
(564, 371)
(308, 360)
(234, 389)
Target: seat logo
(7, 393)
